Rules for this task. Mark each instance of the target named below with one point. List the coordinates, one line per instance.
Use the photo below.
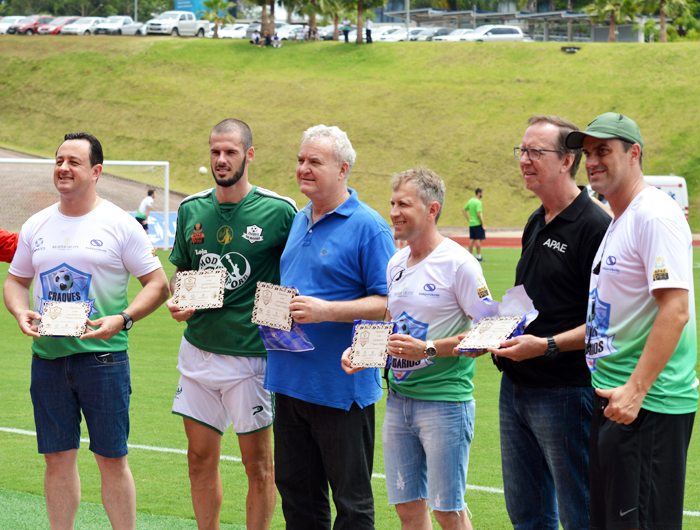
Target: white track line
(236, 459)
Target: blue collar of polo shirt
(346, 209)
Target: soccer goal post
(26, 187)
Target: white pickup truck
(177, 23)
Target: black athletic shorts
(637, 471)
(144, 223)
(477, 232)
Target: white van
(675, 186)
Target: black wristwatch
(552, 350)
(128, 321)
(430, 350)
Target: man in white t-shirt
(368, 29)
(429, 420)
(641, 342)
(145, 209)
(83, 249)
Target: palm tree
(672, 8)
(616, 10)
(213, 11)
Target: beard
(229, 181)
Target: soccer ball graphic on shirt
(63, 280)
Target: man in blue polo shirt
(336, 256)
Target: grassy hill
(458, 108)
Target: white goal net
(26, 187)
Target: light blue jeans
(544, 454)
(426, 450)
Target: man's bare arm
(16, 295)
(626, 400)
(308, 309)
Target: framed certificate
(202, 289)
(489, 332)
(369, 345)
(64, 319)
(271, 307)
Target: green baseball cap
(608, 125)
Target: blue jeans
(99, 385)
(426, 450)
(544, 454)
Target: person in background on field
(313, 34)
(83, 249)
(641, 344)
(345, 26)
(256, 38)
(336, 255)
(368, 30)
(276, 42)
(222, 359)
(429, 421)
(145, 209)
(8, 245)
(546, 394)
(477, 229)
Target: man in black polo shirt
(546, 395)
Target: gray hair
(342, 148)
(565, 127)
(429, 186)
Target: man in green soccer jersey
(473, 211)
(222, 360)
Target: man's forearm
(663, 338)
(16, 294)
(155, 291)
(369, 308)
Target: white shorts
(221, 390)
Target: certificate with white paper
(202, 289)
(489, 332)
(271, 307)
(64, 319)
(369, 345)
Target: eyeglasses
(532, 152)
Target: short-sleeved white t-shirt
(648, 248)
(83, 259)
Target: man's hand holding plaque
(200, 289)
(64, 319)
(369, 345)
(271, 307)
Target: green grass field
(458, 108)
(163, 499)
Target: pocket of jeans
(111, 359)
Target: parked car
(177, 23)
(82, 26)
(28, 25)
(119, 25)
(454, 35)
(495, 33)
(54, 27)
(326, 32)
(429, 33)
(378, 31)
(7, 22)
(288, 31)
(400, 35)
(229, 31)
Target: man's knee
(449, 519)
(409, 511)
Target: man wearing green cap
(640, 338)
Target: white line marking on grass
(236, 459)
